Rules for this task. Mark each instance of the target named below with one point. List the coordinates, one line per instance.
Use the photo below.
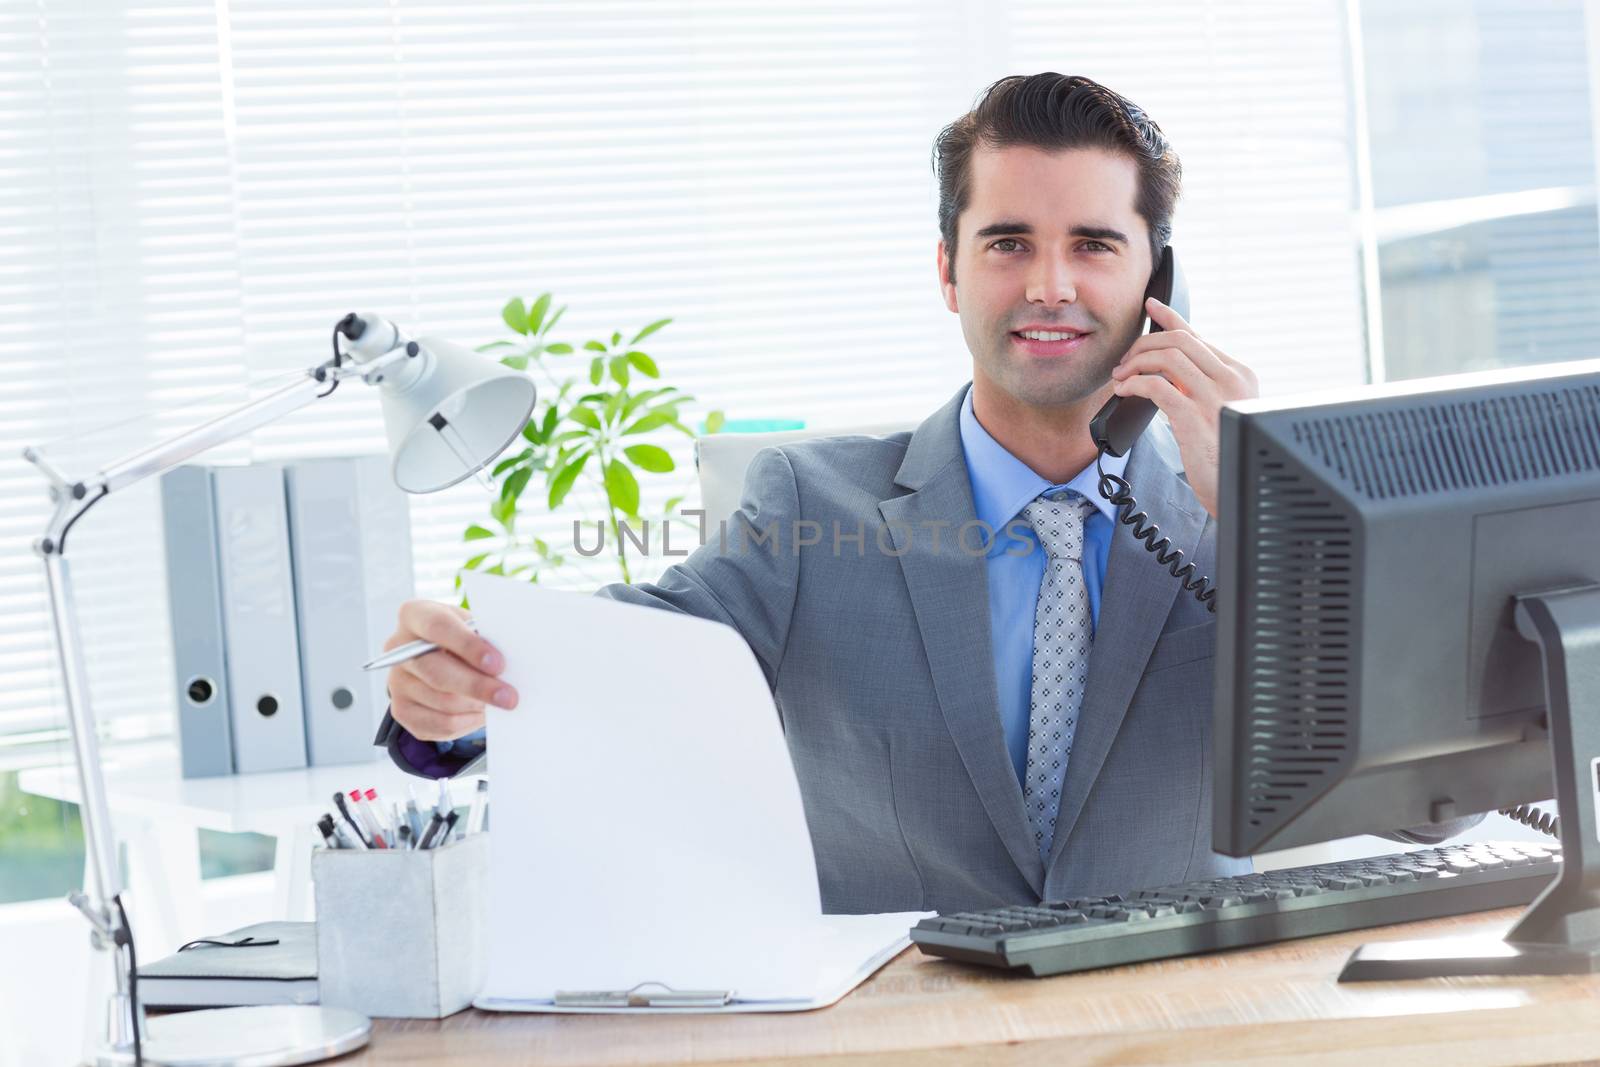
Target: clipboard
(659, 998)
(650, 849)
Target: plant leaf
(714, 421)
(619, 370)
(646, 365)
(613, 402)
(551, 323)
(559, 348)
(584, 417)
(648, 330)
(622, 488)
(472, 564)
(516, 315)
(536, 313)
(563, 481)
(549, 423)
(515, 483)
(506, 464)
(594, 346)
(515, 362)
(504, 512)
(616, 338)
(476, 533)
(651, 421)
(639, 398)
(596, 369)
(492, 345)
(652, 458)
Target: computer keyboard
(1179, 920)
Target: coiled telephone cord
(1120, 494)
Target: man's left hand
(1189, 380)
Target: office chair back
(722, 459)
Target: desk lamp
(448, 412)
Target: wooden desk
(1277, 1004)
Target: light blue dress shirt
(1002, 485)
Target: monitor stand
(1560, 931)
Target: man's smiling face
(1050, 270)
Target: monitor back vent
(1421, 448)
(1298, 663)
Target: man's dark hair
(1053, 112)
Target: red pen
(384, 822)
(368, 819)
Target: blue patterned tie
(1062, 634)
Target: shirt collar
(1002, 485)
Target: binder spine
(388, 573)
(200, 674)
(263, 652)
(352, 569)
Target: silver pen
(407, 651)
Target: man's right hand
(440, 695)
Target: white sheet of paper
(647, 821)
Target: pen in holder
(401, 933)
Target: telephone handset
(1123, 418)
(1118, 424)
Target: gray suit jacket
(880, 664)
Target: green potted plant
(592, 422)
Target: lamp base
(277, 1035)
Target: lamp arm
(72, 499)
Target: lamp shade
(451, 415)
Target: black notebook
(218, 972)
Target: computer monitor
(1399, 568)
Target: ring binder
(634, 998)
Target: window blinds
(192, 193)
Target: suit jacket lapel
(1135, 601)
(950, 595)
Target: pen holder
(402, 933)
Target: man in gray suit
(991, 695)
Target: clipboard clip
(644, 995)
